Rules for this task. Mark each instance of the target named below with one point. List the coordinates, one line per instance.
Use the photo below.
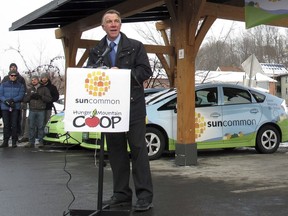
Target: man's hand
(10, 103)
(35, 96)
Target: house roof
(228, 76)
(59, 13)
(273, 69)
(229, 68)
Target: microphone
(107, 50)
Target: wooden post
(185, 18)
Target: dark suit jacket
(130, 55)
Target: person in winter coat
(127, 53)
(45, 81)
(37, 96)
(11, 95)
(22, 113)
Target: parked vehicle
(55, 133)
(226, 116)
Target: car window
(206, 97)
(236, 96)
(258, 96)
(171, 105)
(203, 98)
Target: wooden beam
(83, 58)
(163, 33)
(163, 25)
(206, 24)
(163, 62)
(194, 20)
(171, 6)
(186, 148)
(223, 11)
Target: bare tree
(149, 33)
(50, 68)
(267, 43)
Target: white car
(226, 116)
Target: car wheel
(268, 140)
(155, 143)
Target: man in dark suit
(130, 54)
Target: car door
(207, 110)
(241, 115)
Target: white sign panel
(97, 100)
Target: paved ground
(240, 182)
(59, 181)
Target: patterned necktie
(112, 53)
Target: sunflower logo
(200, 125)
(97, 83)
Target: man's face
(13, 68)
(13, 76)
(34, 81)
(44, 80)
(111, 25)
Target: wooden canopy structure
(189, 21)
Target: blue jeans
(36, 123)
(10, 121)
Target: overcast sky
(40, 46)
(27, 41)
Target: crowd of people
(16, 98)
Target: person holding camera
(11, 95)
(37, 96)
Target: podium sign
(97, 100)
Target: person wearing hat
(22, 113)
(14, 67)
(11, 95)
(37, 96)
(45, 81)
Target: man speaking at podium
(116, 50)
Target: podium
(88, 111)
(101, 210)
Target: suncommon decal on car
(229, 123)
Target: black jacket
(54, 94)
(131, 54)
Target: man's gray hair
(112, 11)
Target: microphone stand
(100, 59)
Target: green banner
(259, 12)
